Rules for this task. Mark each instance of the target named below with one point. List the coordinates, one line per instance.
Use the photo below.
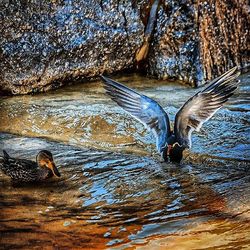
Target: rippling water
(115, 192)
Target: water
(115, 192)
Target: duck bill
(54, 170)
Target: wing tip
(231, 71)
(108, 85)
(225, 79)
(104, 78)
(234, 68)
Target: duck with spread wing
(191, 116)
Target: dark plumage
(21, 170)
(198, 109)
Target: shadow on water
(116, 200)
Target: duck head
(173, 153)
(45, 159)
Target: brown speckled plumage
(22, 170)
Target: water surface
(115, 191)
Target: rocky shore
(46, 44)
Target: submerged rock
(45, 44)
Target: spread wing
(202, 106)
(141, 107)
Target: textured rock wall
(175, 51)
(195, 41)
(46, 43)
(223, 27)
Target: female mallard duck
(21, 170)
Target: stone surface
(45, 44)
(174, 52)
(195, 42)
(223, 35)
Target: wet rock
(194, 42)
(44, 44)
(174, 52)
(223, 35)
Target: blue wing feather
(142, 108)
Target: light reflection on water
(107, 199)
(127, 197)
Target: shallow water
(115, 192)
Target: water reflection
(117, 198)
(107, 199)
(83, 115)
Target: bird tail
(3, 158)
(5, 155)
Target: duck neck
(171, 139)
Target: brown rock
(223, 35)
(195, 42)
